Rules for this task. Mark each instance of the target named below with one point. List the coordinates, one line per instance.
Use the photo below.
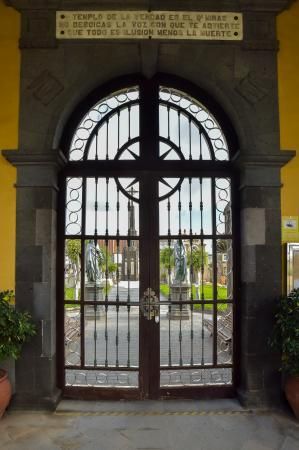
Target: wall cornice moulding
(195, 5)
(20, 158)
(244, 159)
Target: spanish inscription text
(148, 25)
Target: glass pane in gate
(101, 287)
(188, 130)
(196, 282)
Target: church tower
(130, 254)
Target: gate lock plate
(150, 305)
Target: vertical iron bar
(202, 295)
(149, 236)
(118, 133)
(169, 282)
(107, 140)
(200, 144)
(129, 123)
(97, 137)
(106, 302)
(128, 275)
(107, 208)
(96, 207)
(168, 122)
(191, 271)
(106, 271)
(95, 265)
(180, 210)
(82, 310)
(128, 306)
(190, 140)
(179, 128)
(214, 259)
(190, 206)
(180, 285)
(192, 308)
(117, 278)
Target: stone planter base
(292, 394)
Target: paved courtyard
(113, 337)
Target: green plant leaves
(15, 327)
(286, 332)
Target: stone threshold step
(152, 407)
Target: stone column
(36, 274)
(179, 293)
(94, 292)
(260, 276)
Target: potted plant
(15, 329)
(286, 340)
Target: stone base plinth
(93, 293)
(179, 293)
(36, 401)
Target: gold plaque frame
(226, 26)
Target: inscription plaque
(221, 26)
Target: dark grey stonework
(36, 274)
(242, 79)
(205, 5)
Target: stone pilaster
(260, 229)
(36, 186)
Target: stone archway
(160, 149)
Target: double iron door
(147, 246)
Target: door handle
(149, 305)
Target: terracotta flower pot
(5, 391)
(292, 393)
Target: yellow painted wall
(9, 111)
(288, 67)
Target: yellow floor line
(151, 413)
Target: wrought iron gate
(147, 295)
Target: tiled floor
(152, 425)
